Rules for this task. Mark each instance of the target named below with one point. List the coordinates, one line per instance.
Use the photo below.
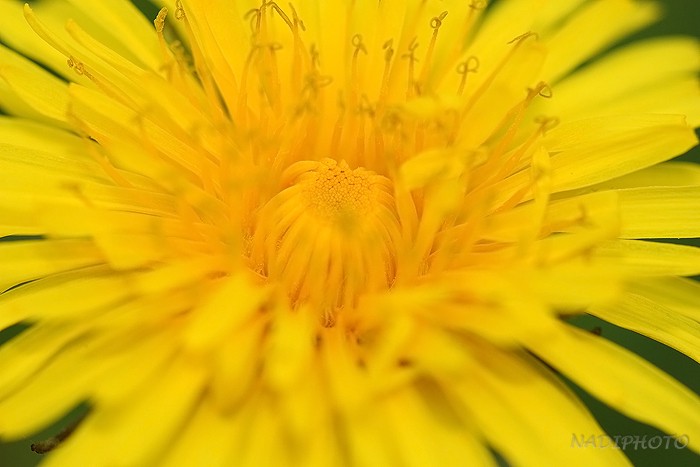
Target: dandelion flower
(346, 233)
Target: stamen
(254, 16)
(517, 115)
(313, 83)
(269, 72)
(467, 24)
(541, 179)
(331, 225)
(179, 10)
(546, 123)
(490, 78)
(170, 62)
(435, 23)
(471, 65)
(498, 168)
(388, 55)
(315, 56)
(106, 164)
(79, 68)
(412, 59)
(355, 88)
(294, 24)
(545, 90)
(242, 105)
(201, 68)
(281, 13)
(339, 125)
(359, 46)
(521, 38)
(299, 49)
(389, 50)
(297, 21)
(159, 22)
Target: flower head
(342, 233)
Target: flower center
(333, 226)
(339, 195)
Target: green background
(683, 17)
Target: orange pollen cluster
(337, 193)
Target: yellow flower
(342, 233)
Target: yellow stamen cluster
(332, 225)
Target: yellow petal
(430, 167)
(665, 174)
(163, 405)
(126, 378)
(568, 214)
(504, 23)
(586, 148)
(500, 309)
(218, 28)
(122, 81)
(86, 221)
(554, 12)
(66, 380)
(178, 275)
(70, 169)
(553, 285)
(348, 387)
(127, 28)
(540, 414)
(232, 302)
(435, 435)
(109, 120)
(678, 96)
(644, 258)
(27, 353)
(52, 144)
(306, 417)
(660, 212)
(22, 167)
(573, 247)
(369, 440)
(235, 371)
(676, 293)
(653, 320)
(36, 212)
(208, 439)
(265, 443)
(27, 260)
(503, 91)
(625, 74)
(583, 150)
(43, 92)
(166, 107)
(128, 32)
(653, 212)
(28, 302)
(16, 218)
(291, 346)
(18, 35)
(611, 20)
(623, 380)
